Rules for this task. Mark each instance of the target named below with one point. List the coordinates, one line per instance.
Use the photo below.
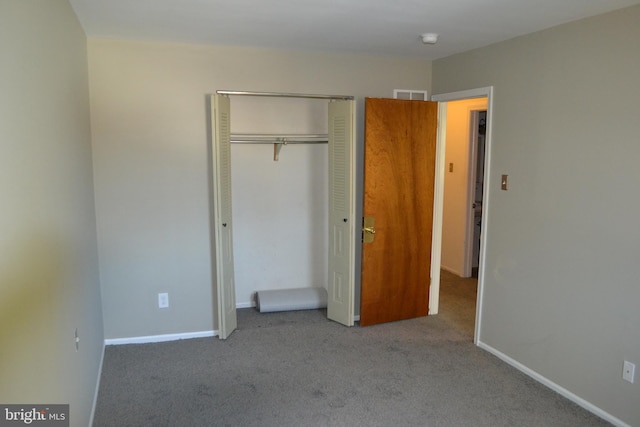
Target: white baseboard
(95, 394)
(245, 304)
(553, 386)
(452, 270)
(160, 338)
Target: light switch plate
(505, 182)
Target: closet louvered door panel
(223, 228)
(341, 212)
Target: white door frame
(436, 254)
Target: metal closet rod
(279, 138)
(283, 95)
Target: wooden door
(399, 174)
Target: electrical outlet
(163, 300)
(628, 371)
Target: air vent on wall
(410, 94)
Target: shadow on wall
(31, 310)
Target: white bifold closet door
(222, 227)
(342, 221)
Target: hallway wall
(456, 183)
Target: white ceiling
(379, 27)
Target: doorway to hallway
(463, 228)
(462, 211)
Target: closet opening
(274, 162)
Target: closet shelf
(278, 140)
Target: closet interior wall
(280, 211)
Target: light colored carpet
(458, 302)
(298, 369)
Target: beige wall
(456, 183)
(150, 160)
(48, 259)
(561, 278)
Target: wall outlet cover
(163, 300)
(628, 371)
